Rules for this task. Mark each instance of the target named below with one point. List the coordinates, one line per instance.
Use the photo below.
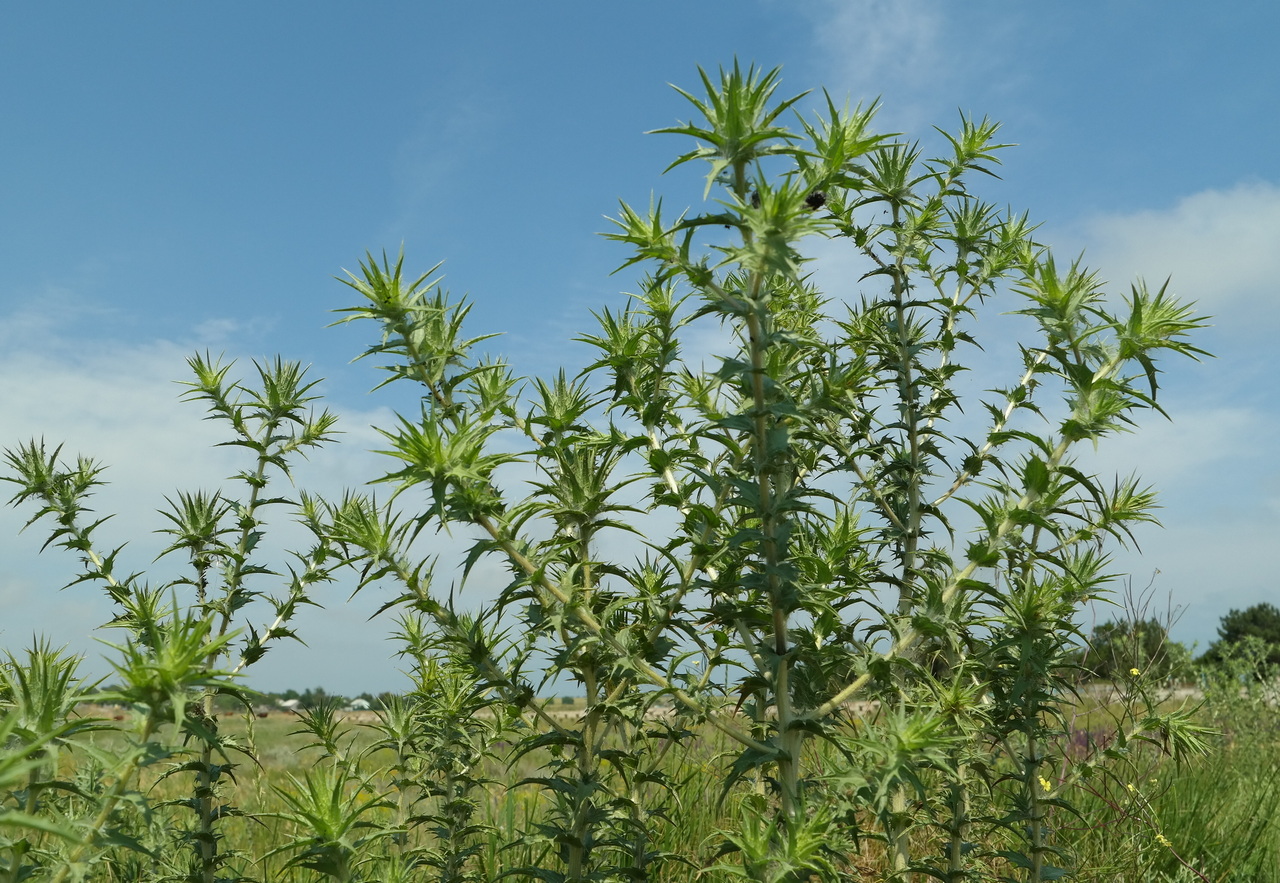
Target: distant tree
(311, 697)
(374, 702)
(1260, 621)
(1117, 648)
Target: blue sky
(178, 178)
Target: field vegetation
(840, 641)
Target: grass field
(1142, 816)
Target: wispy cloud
(921, 56)
(436, 149)
(880, 41)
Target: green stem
(207, 841)
(1035, 824)
(589, 621)
(757, 318)
(1026, 382)
(911, 429)
(579, 864)
(900, 821)
(898, 828)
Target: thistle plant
(832, 530)
(180, 647)
(443, 733)
(806, 542)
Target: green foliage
(792, 548)
(179, 653)
(335, 825)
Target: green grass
(1214, 818)
(1142, 816)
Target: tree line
(1142, 644)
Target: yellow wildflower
(1046, 784)
(1134, 672)
(1163, 840)
(1130, 787)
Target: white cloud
(872, 42)
(1219, 246)
(1197, 442)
